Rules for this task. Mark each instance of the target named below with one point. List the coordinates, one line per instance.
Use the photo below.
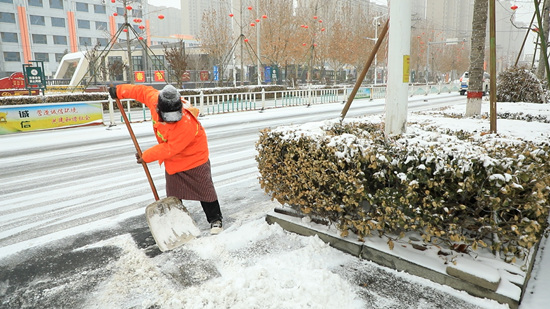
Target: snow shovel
(168, 220)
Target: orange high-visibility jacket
(181, 145)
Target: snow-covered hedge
(518, 84)
(448, 186)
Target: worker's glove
(139, 159)
(112, 91)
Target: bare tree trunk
(477, 58)
(541, 71)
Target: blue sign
(267, 74)
(216, 74)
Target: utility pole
(399, 48)
(258, 62)
(130, 70)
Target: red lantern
(257, 20)
(514, 7)
(246, 40)
(314, 17)
(306, 27)
(302, 26)
(303, 44)
(129, 8)
(250, 8)
(141, 27)
(125, 30)
(315, 45)
(252, 24)
(264, 16)
(135, 20)
(139, 20)
(320, 21)
(161, 16)
(115, 14)
(113, 1)
(231, 15)
(140, 38)
(322, 29)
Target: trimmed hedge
(449, 187)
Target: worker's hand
(112, 91)
(139, 159)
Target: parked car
(465, 78)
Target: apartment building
(45, 30)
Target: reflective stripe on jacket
(181, 145)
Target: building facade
(45, 30)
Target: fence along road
(59, 183)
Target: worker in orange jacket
(182, 147)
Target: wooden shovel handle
(138, 149)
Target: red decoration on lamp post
(304, 44)
(514, 7)
(231, 15)
(115, 14)
(113, 1)
(314, 17)
(252, 24)
(125, 30)
(129, 7)
(250, 8)
(246, 40)
(141, 27)
(323, 29)
(257, 20)
(161, 16)
(140, 38)
(264, 16)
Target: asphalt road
(64, 189)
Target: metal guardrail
(210, 104)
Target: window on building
(38, 20)
(59, 40)
(58, 57)
(82, 7)
(99, 9)
(158, 62)
(39, 39)
(120, 11)
(102, 41)
(58, 22)
(85, 41)
(12, 56)
(83, 24)
(137, 13)
(9, 37)
(137, 62)
(100, 25)
(7, 17)
(42, 57)
(36, 3)
(115, 66)
(6, 1)
(56, 4)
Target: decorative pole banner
(32, 117)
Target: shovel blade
(170, 223)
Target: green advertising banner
(22, 118)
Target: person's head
(169, 104)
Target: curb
(497, 290)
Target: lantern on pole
(161, 16)
(129, 7)
(115, 14)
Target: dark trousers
(212, 211)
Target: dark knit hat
(169, 104)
